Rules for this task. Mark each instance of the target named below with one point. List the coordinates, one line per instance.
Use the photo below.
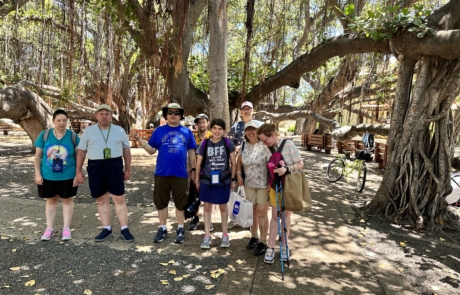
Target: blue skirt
(215, 194)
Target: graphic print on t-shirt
(175, 141)
(54, 152)
(217, 157)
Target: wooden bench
(380, 155)
(325, 141)
(380, 150)
(144, 134)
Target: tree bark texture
(27, 109)
(218, 90)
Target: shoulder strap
(205, 152)
(46, 135)
(242, 146)
(74, 138)
(227, 150)
(280, 149)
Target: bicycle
(355, 169)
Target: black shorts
(61, 188)
(106, 176)
(164, 186)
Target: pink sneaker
(49, 232)
(66, 234)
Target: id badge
(107, 153)
(57, 165)
(215, 177)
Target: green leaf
(349, 9)
(370, 14)
(417, 22)
(413, 29)
(405, 11)
(420, 35)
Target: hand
(281, 171)
(39, 179)
(233, 185)
(133, 136)
(80, 178)
(127, 174)
(75, 181)
(240, 180)
(197, 185)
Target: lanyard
(58, 140)
(108, 133)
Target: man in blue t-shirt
(174, 143)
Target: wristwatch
(233, 179)
(287, 170)
(193, 169)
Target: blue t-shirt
(54, 149)
(173, 144)
(216, 159)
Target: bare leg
(121, 209)
(224, 217)
(50, 210)
(180, 216)
(287, 218)
(103, 207)
(207, 218)
(255, 222)
(273, 228)
(67, 211)
(163, 215)
(262, 211)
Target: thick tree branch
(348, 132)
(11, 5)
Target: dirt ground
(429, 260)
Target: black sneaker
(180, 235)
(260, 249)
(252, 243)
(160, 235)
(105, 233)
(194, 223)
(126, 235)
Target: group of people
(213, 164)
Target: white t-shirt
(93, 141)
(254, 160)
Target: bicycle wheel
(360, 177)
(335, 170)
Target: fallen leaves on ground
(208, 287)
(15, 268)
(30, 283)
(239, 261)
(164, 282)
(172, 271)
(88, 292)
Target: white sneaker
(206, 244)
(269, 255)
(285, 254)
(225, 242)
(232, 224)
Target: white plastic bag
(240, 209)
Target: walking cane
(281, 218)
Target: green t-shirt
(53, 149)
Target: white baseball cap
(247, 103)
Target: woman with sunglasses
(292, 163)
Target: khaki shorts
(256, 195)
(164, 186)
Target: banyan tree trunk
(420, 145)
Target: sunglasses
(175, 113)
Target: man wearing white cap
(106, 145)
(236, 132)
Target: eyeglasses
(175, 113)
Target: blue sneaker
(105, 233)
(126, 235)
(180, 235)
(160, 235)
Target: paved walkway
(324, 257)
